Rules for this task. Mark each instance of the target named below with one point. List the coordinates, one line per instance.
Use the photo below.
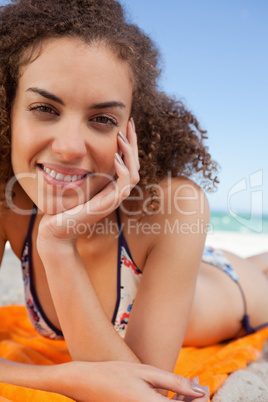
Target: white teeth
(60, 176)
(68, 178)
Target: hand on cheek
(103, 203)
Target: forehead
(71, 66)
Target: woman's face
(71, 101)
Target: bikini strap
(119, 225)
(246, 320)
(243, 298)
(30, 227)
(121, 238)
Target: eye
(104, 121)
(43, 110)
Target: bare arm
(86, 381)
(161, 310)
(2, 236)
(111, 381)
(89, 334)
(162, 307)
(160, 313)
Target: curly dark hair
(170, 140)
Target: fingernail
(119, 159)
(133, 124)
(199, 388)
(121, 135)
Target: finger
(177, 384)
(116, 191)
(178, 397)
(128, 154)
(109, 198)
(201, 398)
(132, 138)
(103, 203)
(129, 158)
(92, 211)
(123, 181)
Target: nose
(69, 142)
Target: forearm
(89, 334)
(84, 382)
(46, 378)
(65, 379)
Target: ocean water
(239, 223)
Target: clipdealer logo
(200, 226)
(252, 187)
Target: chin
(56, 205)
(57, 201)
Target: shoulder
(180, 222)
(15, 218)
(177, 199)
(183, 224)
(3, 236)
(181, 196)
(181, 204)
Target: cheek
(21, 141)
(104, 151)
(21, 149)
(17, 153)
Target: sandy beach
(249, 385)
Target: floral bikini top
(128, 279)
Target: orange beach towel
(20, 342)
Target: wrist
(56, 250)
(50, 240)
(46, 378)
(59, 379)
(69, 380)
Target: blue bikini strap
(30, 227)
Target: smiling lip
(62, 176)
(64, 170)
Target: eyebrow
(46, 94)
(103, 105)
(110, 104)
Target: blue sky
(215, 59)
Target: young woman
(95, 172)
